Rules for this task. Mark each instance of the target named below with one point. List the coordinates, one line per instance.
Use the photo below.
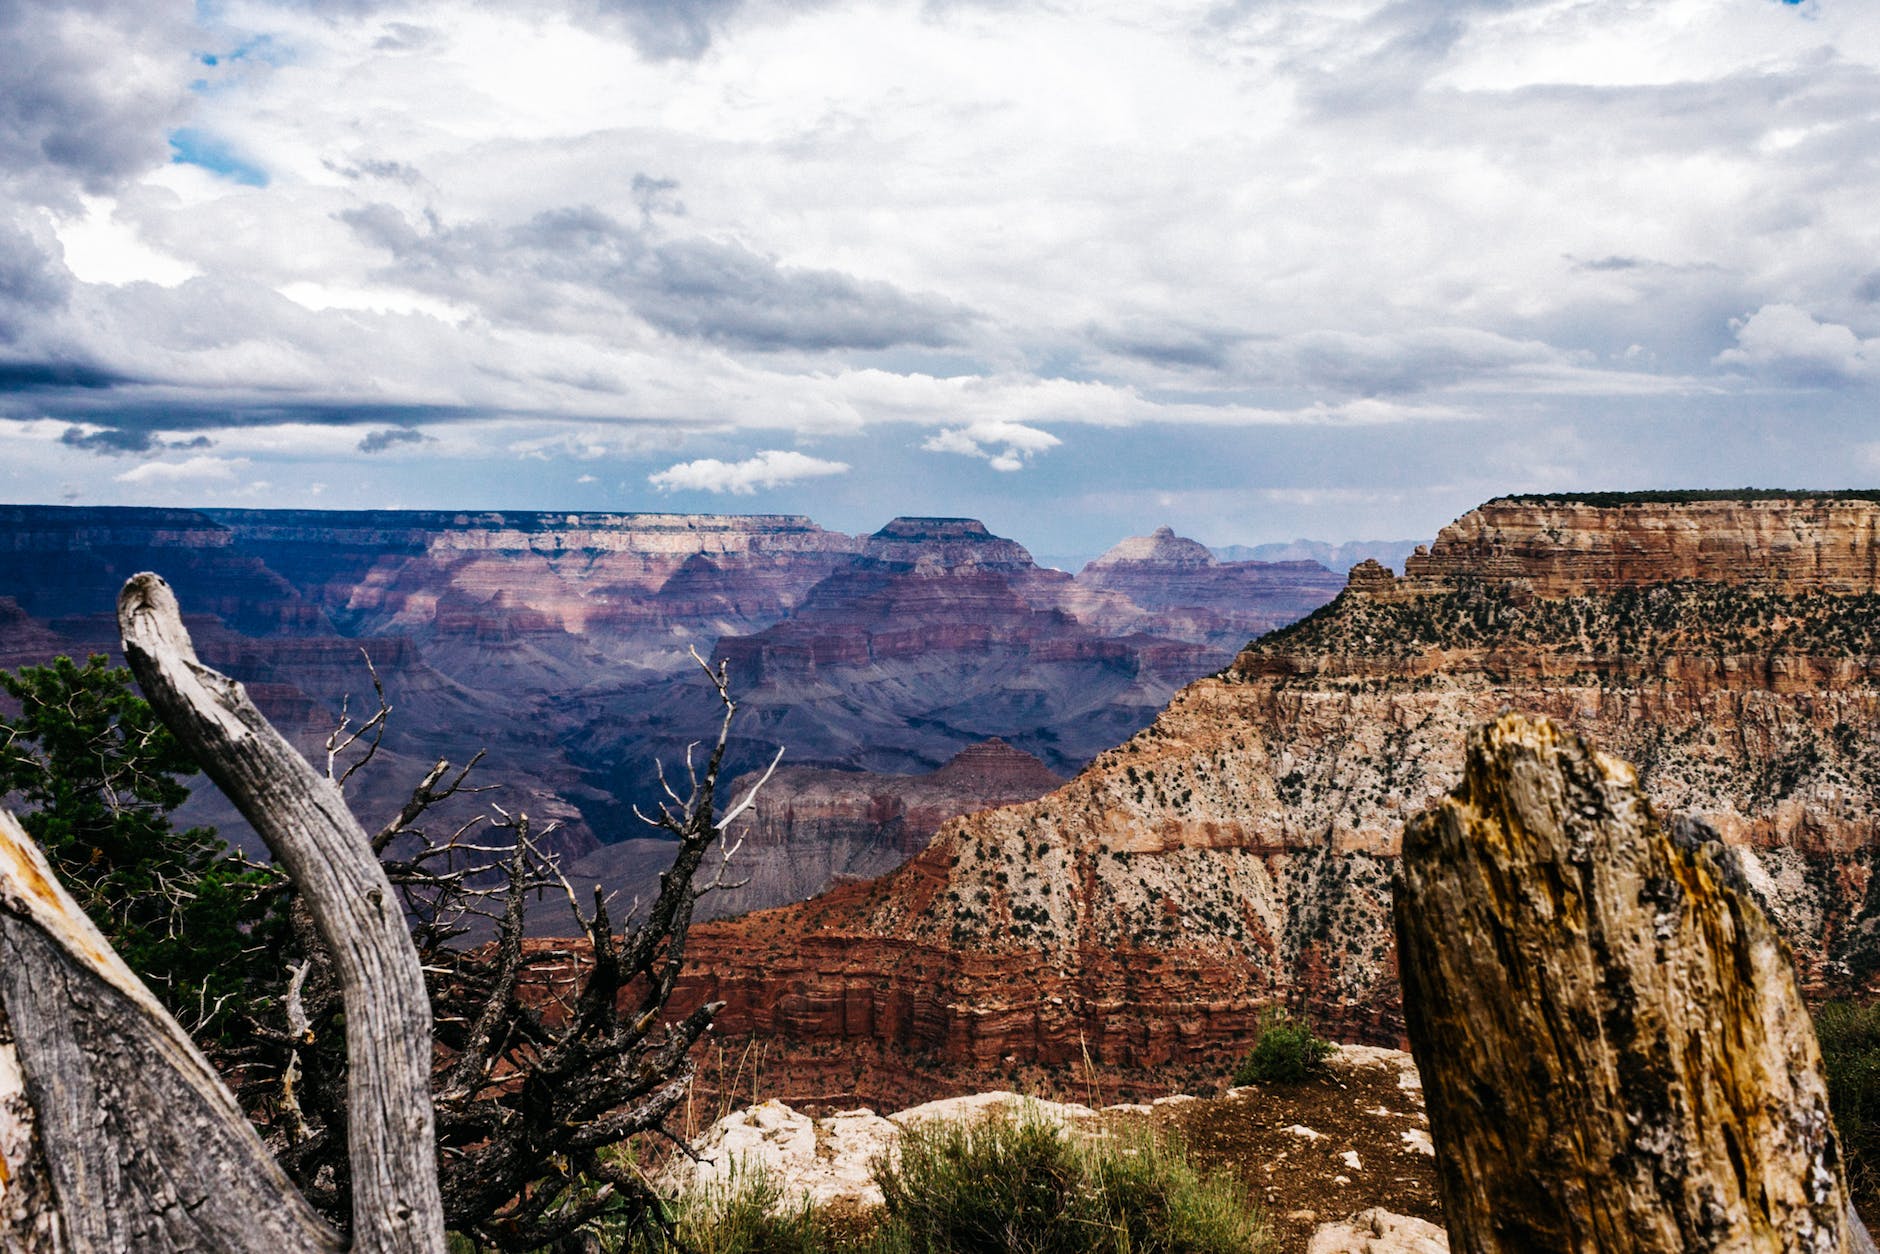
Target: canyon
(1238, 851)
(560, 645)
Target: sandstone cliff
(1239, 849)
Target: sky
(1256, 270)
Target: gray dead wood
(1614, 1051)
(117, 1133)
(312, 833)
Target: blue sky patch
(193, 147)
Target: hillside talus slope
(1239, 850)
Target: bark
(1614, 1051)
(118, 1135)
(306, 823)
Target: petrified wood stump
(1613, 1048)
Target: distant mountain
(1339, 557)
(1238, 851)
(560, 642)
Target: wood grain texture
(1614, 1051)
(138, 1144)
(313, 834)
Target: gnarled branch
(307, 825)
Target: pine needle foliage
(95, 778)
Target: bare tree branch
(392, 1148)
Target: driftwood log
(116, 1134)
(1614, 1051)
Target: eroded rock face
(943, 633)
(1560, 546)
(1239, 850)
(811, 828)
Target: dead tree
(132, 1140)
(115, 1133)
(1614, 1052)
(551, 1053)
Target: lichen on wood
(1613, 1047)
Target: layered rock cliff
(561, 642)
(1177, 587)
(942, 634)
(1238, 850)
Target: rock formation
(560, 642)
(1378, 1231)
(814, 827)
(1238, 850)
(942, 634)
(1610, 1038)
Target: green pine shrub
(1286, 1051)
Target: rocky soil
(1316, 1155)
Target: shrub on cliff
(747, 1213)
(96, 777)
(1023, 1184)
(1286, 1051)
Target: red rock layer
(1560, 546)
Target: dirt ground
(1370, 1148)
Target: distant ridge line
(1684, 496)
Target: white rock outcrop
(831, 1159)
(1378, 1231)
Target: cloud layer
(326, 244)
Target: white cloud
(1007, 445)
(769, 469)
(1786, 340)
(203, 469)
(584, 242)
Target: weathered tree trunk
(29, 1216)
(1614, 1052)
(306, 823)
(116, 1133)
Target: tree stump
(1614, 1051)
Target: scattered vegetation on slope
(1645, 620)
